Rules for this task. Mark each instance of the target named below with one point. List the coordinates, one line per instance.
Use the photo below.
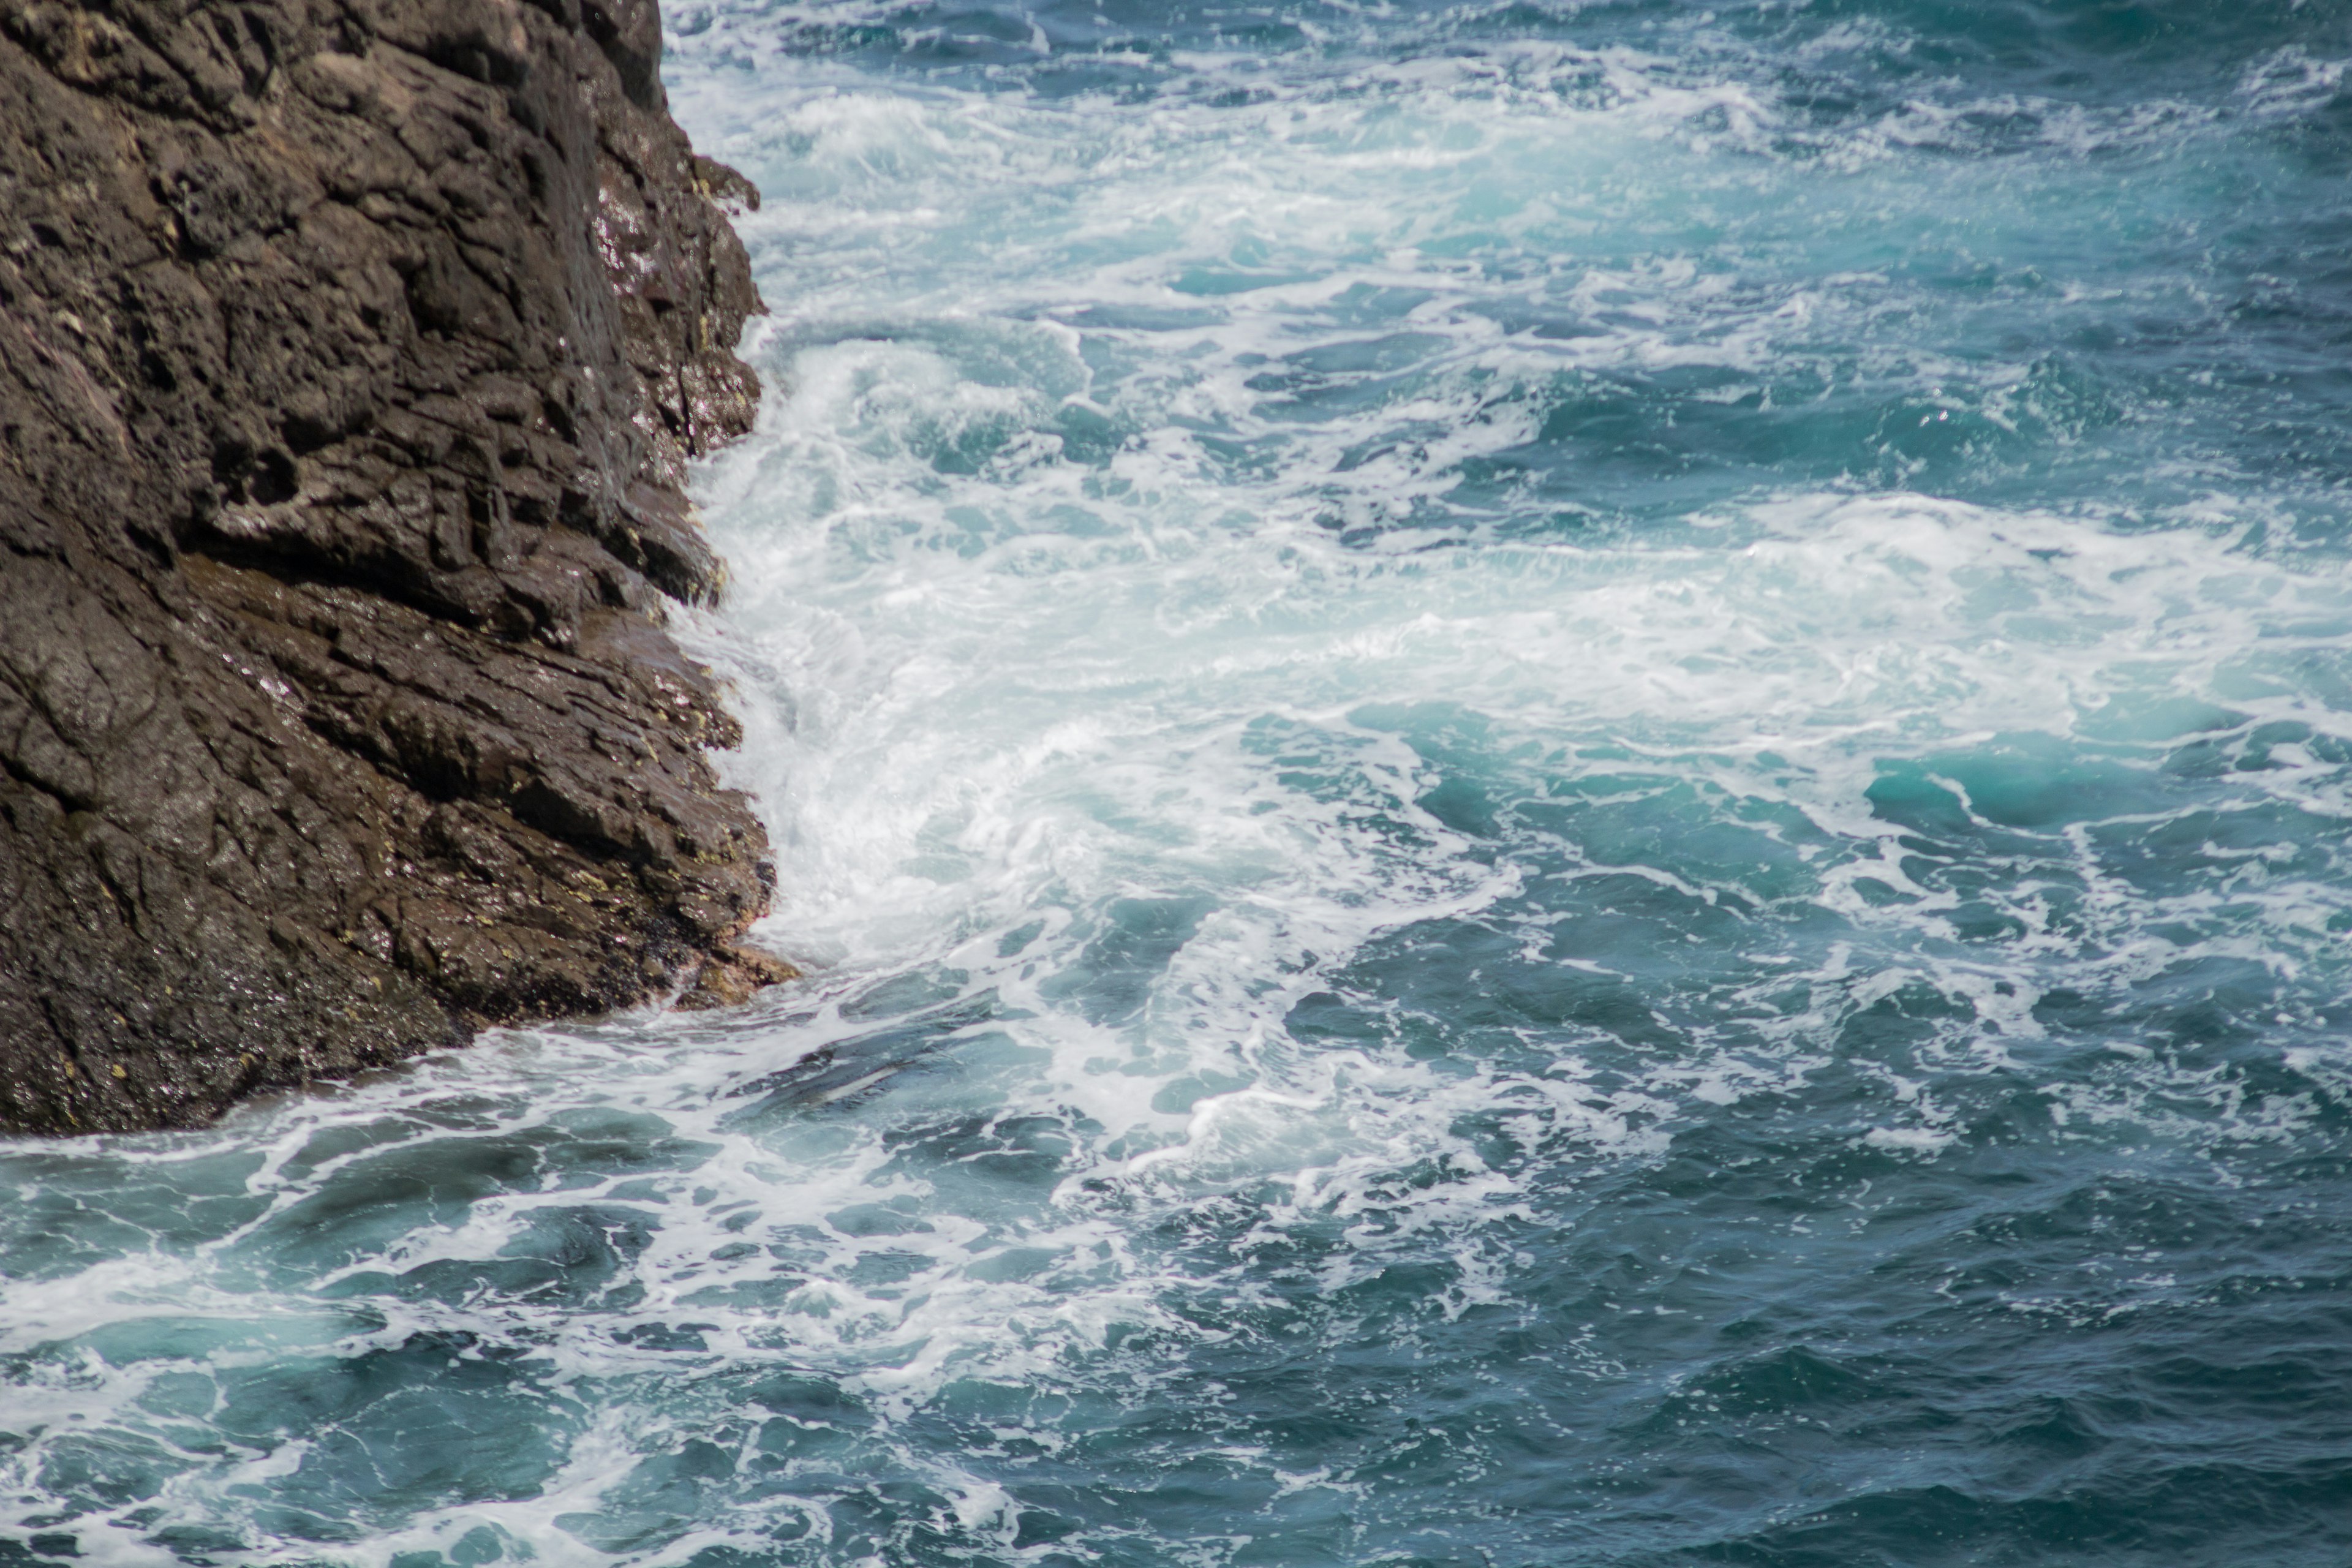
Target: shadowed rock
(351, 355)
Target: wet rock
(730, 977)
(351, 355)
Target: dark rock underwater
(351, 355)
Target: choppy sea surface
(1567, 784)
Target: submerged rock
(351, 355)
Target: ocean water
(1567, 784)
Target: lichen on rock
(351, 352)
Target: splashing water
(1567, 784)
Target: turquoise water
(1567, 784)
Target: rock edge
(351, 355)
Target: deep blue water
(1568, 785)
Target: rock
(351, 352)
(730, 977)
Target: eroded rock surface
(350, 354)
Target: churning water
(1568, 785)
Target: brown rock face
(350, 354)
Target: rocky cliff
(350, 354)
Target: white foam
(1052, 615)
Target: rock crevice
(351, 352)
